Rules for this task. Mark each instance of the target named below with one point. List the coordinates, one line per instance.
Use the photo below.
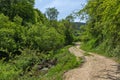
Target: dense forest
(101, 32)
(33, 45)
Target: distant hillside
(76, 25)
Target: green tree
(40, 17)
(68, 32)
(22, 8)
(70, 18)
(52, 13)
(12, 34)
(44, 38)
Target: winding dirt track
(95, 67)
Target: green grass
(86, 53)
(25, 66)
(18, 66)
(66, 61)
(101, 50)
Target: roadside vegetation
(33, 45)
(31, 65)
(101, 32)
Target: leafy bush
(44, 38)
(26, 66)
(18, 67)
(12, 34)
(9, 71)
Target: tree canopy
(52, 13)
(22, 8)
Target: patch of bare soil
(95, 67)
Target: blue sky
(65, 7)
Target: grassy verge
(26, 66)
(18, 67)
(66, 61)
(99, 50)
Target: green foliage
(65, 62)
(18, 20)
(8, 71)
(19, 66)
(23, 8)
(44, 38)
(51, 13)
(26, 66)
(12, 34)
(69, 37)
(68, 32)
(38, 36)
(70, 18)
(102, 29)
(28, 40)
(40, 18)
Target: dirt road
(95, 67)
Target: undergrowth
(27, 65)
(66, 61)
(102, 49)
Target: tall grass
(66, 61)
(26, 66)
(103, 49)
